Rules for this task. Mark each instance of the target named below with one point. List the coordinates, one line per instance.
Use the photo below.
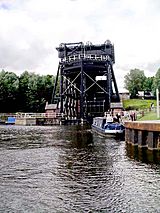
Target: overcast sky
(30, 30)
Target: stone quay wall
(143, 134)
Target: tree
(44, 91)
(24, 92)
(134, 81)
(27, 93)
(9, 87)
(46, 87)
(148, 84)
(156, 82)
(34, 91)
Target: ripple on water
(67, 169)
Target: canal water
(69, 169)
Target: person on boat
(117, 118)
(109, 118)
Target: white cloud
(30, 30)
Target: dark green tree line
(25, 93)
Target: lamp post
(157, 94)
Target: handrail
(32, 115)
(86, 56)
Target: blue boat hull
(108, 132)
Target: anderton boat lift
(87, 86)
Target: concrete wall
(143, 134)
(25, 121)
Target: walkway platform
(31, 119)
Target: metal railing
(86, 56)
(32, 115)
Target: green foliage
(137, 104)
(27, 93)
(9, 87)
(134, 81)
(148, 84)
(156, 82)
(149, 116)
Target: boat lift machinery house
(86, 80)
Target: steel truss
(87, 80)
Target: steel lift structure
(85, 80)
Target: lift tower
(87, 82)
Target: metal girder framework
(87, 80)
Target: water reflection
(86, 171)
(68, 169)
(143, 154)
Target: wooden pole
(157, 94)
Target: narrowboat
(106, 127)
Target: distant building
(51, 108)
(124, 94)
(145, 95)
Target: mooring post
(150, 140)
(134, 136)
(142, 138)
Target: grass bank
(149, 116)
(137, 104)
(142, 106)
